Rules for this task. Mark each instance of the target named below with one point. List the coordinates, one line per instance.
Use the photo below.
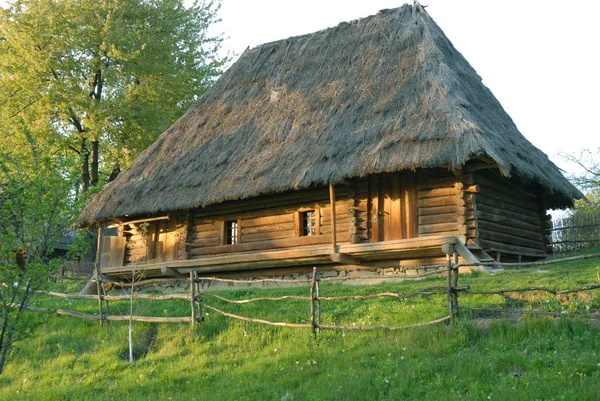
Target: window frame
(226, 228)
(301, 218)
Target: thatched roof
(385, 93)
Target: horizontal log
(201, 243)
(517, 232)
(443, 201)
(341, 227)
(488, 210)
(506, 201)
(510, 239)
(441, 228)
(426, 211)
(208, 226)
(268, 220)
(439, 192)
(268, 236)
(204, 234)
(267, 228)
(493, 246)
(438, 218)
(504, 220)
(340, 209)
(340, 219)
(272, 244)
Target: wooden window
(231, 232)
(307, 223)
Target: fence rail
(196, 298)
(575, 233)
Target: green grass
(534, 358)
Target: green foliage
(103, 77)
(36, 208)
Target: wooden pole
(199, 313)
(97, 269)
(449, 283)
(318, 296)
(193, 297)
(455, 283)
(313, 323)
(333, 218)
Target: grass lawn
(527, 358)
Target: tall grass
(503, 359)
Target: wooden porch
(358, 255)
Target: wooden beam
(333, 222)
(344, 259)
(144, 220)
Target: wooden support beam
(344, 259)
(167, 271)
(333, 222)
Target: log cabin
(368, 145)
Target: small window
(309, 223)
(232, 232)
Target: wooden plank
(397, 229)
(268, 220)
(332, 209)
(410, 211)
(206, 226)
(492, 246)
(202, 243)
(439, 192)
(268, 236)
(444, 201)
(510, 239)
(271, 244)
(272, 227)
(374, 209)
(426, 211)
(113, 251)
(438, 218)
(203, 235)
(438, 228)
(488, 211)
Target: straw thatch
(380, 94)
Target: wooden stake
(193, 297)
(97, 269)
(313, 323)
(333, 218)
(318, 296)
(455, 283)
(449, 281)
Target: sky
(540, 58)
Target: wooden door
(393, 204)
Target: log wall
(503, 218)
(441, 207)
(272, 222)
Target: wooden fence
(575, 233)
(315, 299)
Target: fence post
(448, 249)
(455, 283)
(193, 297)
(318, 297)
(313, 322)
(99, 290)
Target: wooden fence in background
(575, 233)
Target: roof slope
(380, 94)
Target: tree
(101, 79)
(36, 207)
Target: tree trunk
(94, 163)
(84, 166)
